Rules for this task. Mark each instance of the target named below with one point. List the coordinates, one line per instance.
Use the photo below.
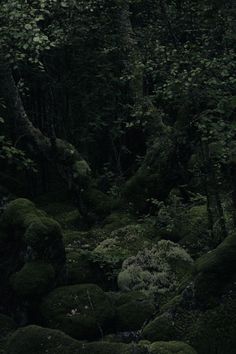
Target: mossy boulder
(134, 309)
(214, 332)
(134, 314)
(33, 280)
(82, 311)
(30, 228)
(221, 260)
(171, 348)
(214, 271)
(38, 340)
(162, 328)
(42, 235)
(20, 213)
(32, 234)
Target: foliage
(157, 271)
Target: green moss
(98, 202)
(171, 348)
(161, 329)
(20, 213)
(192, 227)
(120, 298)
(82, 311)
(34, 279)
(157, 271)
(81, 270)
(38, 340)
(43, 235)
(39, 235)
(220, 260)
(214, 270)
(215, 330)
(134, 314)
(7, 325)
(117, 220)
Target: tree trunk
(215, 210)
(131, 55)
(52, 149)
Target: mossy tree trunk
(74, 168)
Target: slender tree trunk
(131, 55)
(215, 210)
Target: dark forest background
(117, 121)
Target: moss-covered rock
(134, 314)
(20, 213)
(214, 332)
(214, 270)
(38, 340)
(42, 234)
(82, 311)
(134, 309)
(220, 260)
(34, 279)
(171, 348)
(162, 328)
(37, 236)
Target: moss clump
(215, 330)
(134, 314)
(81, 270)
(82, 311)
(192, 226)
(117, 220)
(162, 328)
(171, 348)
(126, 241)
(156, 271)
(20, 213)
(98, 202)
(42, 233)
(34, 279)
(38, 340)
